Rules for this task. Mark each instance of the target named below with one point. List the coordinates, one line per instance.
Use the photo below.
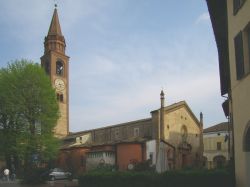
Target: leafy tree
(28, 113)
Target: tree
(28, 113)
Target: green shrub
(34, 175)
(188, 178)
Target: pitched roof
(55, 28)
(217, 128)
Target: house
(216, 145)
(231, 25)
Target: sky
(122, 54)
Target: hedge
(198, 178)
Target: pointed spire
(55, 28)
(54, 40)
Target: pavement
(57, 183)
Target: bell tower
(56, 65)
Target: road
(59, 183)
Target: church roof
(217, 128)
(55, 28)
(134, 140)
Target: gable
(181, 116)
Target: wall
(73, 160)
(162, 158)
(122, 131)
(127, 154)
(240, 95)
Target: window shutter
(236, 5)
(248, 37)
(247, 141)
(239, 57)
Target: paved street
(59, 183)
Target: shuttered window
(247, 141)
(239, 57)
(248, 40)
(237, 5)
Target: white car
(58, 173)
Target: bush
(188, 178)
(114, 179)
(144, 166)
(34, 175)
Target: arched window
(59, 68)
(184, 133)
(247, 140)
(59, 97)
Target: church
(170, 139)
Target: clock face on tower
(59, 84)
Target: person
(6, 173)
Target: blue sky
(122, 53)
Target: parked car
(58, 173)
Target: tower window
(59, 97)
(47, 67)
(59, 68)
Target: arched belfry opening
(59, 68)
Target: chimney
(161, 133)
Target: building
(170, 139)
(56, 64)
(216, 145)
(128, 144)
(231, 24)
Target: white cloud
(203, 18)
